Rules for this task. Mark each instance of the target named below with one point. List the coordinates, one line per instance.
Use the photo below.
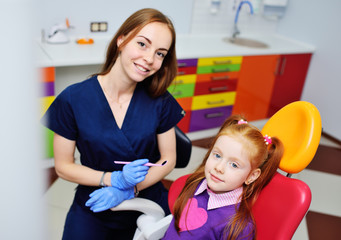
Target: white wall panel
(317, 22)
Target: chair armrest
(152, 224)
(143, 205)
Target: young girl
(217, 198)
(123, 113)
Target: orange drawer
(47, 74)
(211, 77)
(185, 103)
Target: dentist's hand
(132, 174)
(108, 197)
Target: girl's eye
(234, 165)
(217, 155)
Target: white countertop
(187, 46)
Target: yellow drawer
(213, 100)
(219, 60)
(182, 79)
(45, 103)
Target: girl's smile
(215, 179)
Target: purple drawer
(209, 118)
(187, 62)
(48, 89)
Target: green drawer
(218, 68)
(48, 142)
(182, 90)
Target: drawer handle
(215, 102)
(182, 64)
(180, 81)
(222, 62)
(220, 78)
(214, 115)
(220, 70)
(283, 66)
(177, 93)
(181, 73)
(216, 89)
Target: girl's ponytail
(270, 165)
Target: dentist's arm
(167, 148)
(66, 168)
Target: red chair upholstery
(281, 207)
(175, 190)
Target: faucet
(235, 27)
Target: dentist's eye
(141, 44)
(160, 54)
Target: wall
(319, 26)
(204, 21)
(307, 21)
(81, 12)
(21, 178)
(190, 16)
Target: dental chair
(282, 204)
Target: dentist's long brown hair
(158, 83)
(262, 156)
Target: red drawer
(187, 70)
(185, 121)
(202, 88)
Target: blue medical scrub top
(82, 113)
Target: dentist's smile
(141, 68)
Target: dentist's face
(144, 54)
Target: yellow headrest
(298, 126)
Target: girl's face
(228, 166)
(144, 54)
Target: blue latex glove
(108, 197)
(132, 174)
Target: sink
(246, 42)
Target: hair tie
(242, 121)
(267, 139)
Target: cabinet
(289, 80)
(47, 96)
(255, 86)
(182, 88)
(268, 83)
(206, 90)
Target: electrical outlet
(98, 26)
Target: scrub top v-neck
(82, 113)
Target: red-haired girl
(217, 198)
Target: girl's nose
(220, 166)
